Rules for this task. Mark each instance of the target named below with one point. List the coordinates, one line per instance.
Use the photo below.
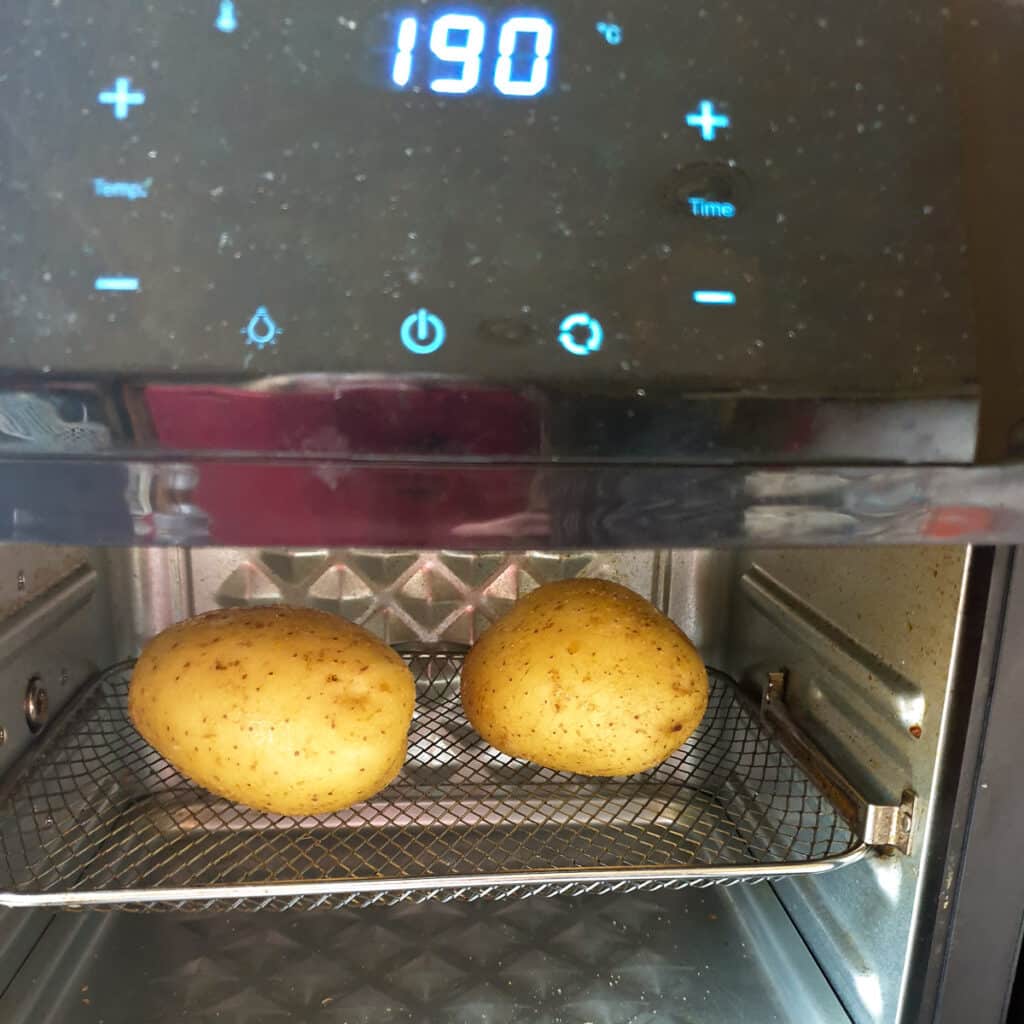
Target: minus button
(715, 298)
(116, 284)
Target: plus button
(122, 97)
(707, 120)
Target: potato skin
(287, 710)
(585, 676)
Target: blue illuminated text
(709, 208)
(130, 190)
(519, 65)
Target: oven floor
(689, 957)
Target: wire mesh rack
(94, 816)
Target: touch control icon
(116, 284)
(122, 98)
(714, 298)
(707, 120)
(227, 17)
(581, 334)
(423, 333)
(261, 330)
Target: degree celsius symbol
(612, 33)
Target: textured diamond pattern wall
(403, 596)
(694, 957)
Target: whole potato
(284, 709)
(585, 676)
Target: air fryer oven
(403, 311)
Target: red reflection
(951, 522)
(391, 421)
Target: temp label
(130, 190)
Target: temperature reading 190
(461, 44)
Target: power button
(423, 333)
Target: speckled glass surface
(278, 168)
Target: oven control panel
(721, 195)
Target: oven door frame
(964, 963)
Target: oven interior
(859, 645)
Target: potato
(284, 709)
(585, 676)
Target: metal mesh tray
(95, 816)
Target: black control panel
(730, 195)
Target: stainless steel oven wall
(54, 633)
(867, 638)
(404, 595)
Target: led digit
(401, 71)
(467, 54)
(543, 33)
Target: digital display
(715, 196)
(519, 64)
